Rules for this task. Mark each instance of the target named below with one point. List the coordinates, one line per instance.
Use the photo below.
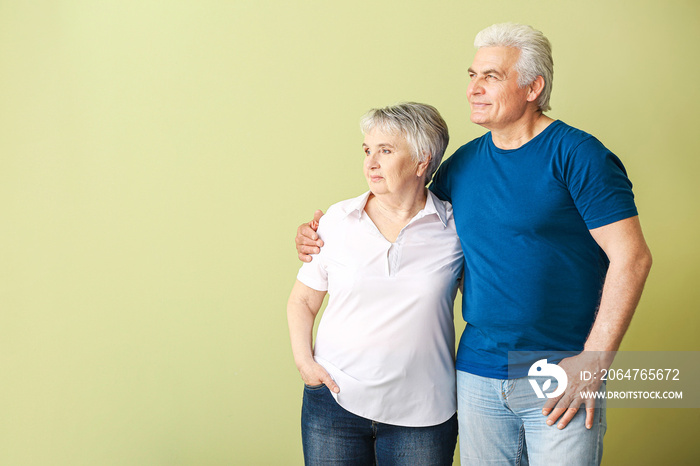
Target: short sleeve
(599, 185)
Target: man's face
(494, 96)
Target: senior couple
(535, 218)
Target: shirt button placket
(390, 253)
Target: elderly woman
(380, 380)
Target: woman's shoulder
(334, 222)
(340, 210)
(444, 208)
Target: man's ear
(536, 88)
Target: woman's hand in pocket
(314, 374)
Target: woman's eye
(386, 151)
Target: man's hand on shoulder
(307, 239)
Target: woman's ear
(423, 167)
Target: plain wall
(156, 158)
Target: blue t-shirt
(533, 273)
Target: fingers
(589, 417)
(330, 383)
(307, 235)
(565, 411)
(555, 414)
(549, 405)
(554, 408)
(316, 375)
(561, 410)
(307, 239)
(590, 412)
(308, 248)
(307, 242)
(304, 252)
(568, 416)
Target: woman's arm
(302, 307)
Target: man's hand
(313, 373)
(307, 240)
(565, 406)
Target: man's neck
(521, 132)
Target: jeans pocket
(313, 387)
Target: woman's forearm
(301, 323)
(302, 308)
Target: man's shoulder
(467, 151)
(456, 165)
(473, 146)
(568, 135)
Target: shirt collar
(433, 205)
(357, 205)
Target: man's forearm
(622, 290)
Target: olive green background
(156, 158)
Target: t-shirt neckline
(497, 149)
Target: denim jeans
(332, 435)
(501, 423)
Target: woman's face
(389, 167)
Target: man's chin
(478, 119)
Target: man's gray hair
(535, 54)
(422, 126)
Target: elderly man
(555, 259)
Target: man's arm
(307, 240)
(630, 262)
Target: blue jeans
(332, 435)
(501, 423)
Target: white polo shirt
(387, 334)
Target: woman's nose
(371, 161)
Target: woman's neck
(391, 213)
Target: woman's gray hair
(535, 54)
(421, 125)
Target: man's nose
(474, 87)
